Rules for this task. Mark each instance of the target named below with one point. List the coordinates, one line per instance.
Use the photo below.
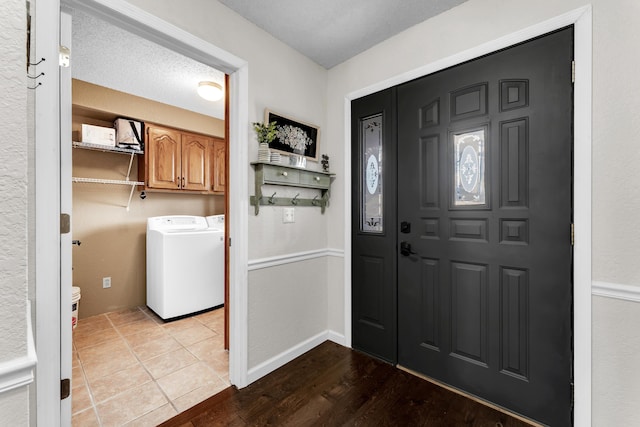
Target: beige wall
(112, 238)
(14, 405)
(616, 236)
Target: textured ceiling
(327, 31)
(332, 31)
(106, 55)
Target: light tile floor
(132, 368)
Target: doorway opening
(52, 320)
(121, 349)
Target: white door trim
(581, 19)
(136, 20)
(46, 300)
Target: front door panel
(374, 324)
(485, 181)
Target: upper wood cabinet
(163, 154)
(195, 162)
(218, 155)
(177, 160)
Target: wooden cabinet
(218, 156)
(163, 154)
(195, 162)
(177, 160)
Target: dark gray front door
(484, 220)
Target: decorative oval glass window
(372, 174)
(469, 168)
(371, 181)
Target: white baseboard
(287, 356)
(18, 372)
(616, 290)
(337, 338)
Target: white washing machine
(216, 222)
(185, 265)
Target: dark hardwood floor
(333, 386)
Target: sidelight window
(371, 189)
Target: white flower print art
(294, 137)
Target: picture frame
(308, 148)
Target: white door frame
(48, 190)
(581, 19)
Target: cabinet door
(217, 162)
(163, 158)
(195, 162)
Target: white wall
(286, 82)
(616, 237)
(14, 405)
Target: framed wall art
(294, 137)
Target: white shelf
(112, 182)
(107, 181)
(105, 148)
(108, 149)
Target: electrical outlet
(288, 215)
(106, 282)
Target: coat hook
(37, 63)
(35, 77)
(35, 87)
(314, 202)
(271, 201)
(294, 201)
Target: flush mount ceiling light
(210, 91)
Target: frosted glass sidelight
(371, 218)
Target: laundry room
(110, 230)
(119, 75)
(172, 165)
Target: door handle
(405, 249)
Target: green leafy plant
(265, 132)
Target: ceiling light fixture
(210, 91)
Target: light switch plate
(288, 215)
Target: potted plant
(265, 132)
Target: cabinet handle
(178, 181)
(183, 182)
(317, 178)
(284, 173)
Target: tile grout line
(94, 406)
(153, 379)
(207, 365)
